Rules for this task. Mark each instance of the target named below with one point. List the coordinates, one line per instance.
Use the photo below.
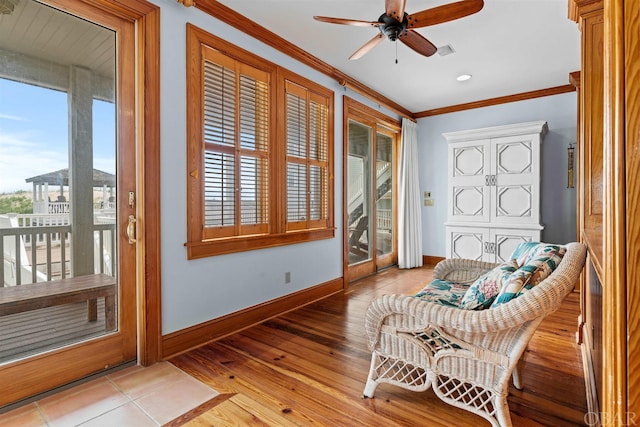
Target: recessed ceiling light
(463, 77)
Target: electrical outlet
(287, 277)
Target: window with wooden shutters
(307, 158)
(236, 147)
(256, 178)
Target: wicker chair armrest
(460, 270)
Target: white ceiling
(509, 47)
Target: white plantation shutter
(307, 158)
(236, 142)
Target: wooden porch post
(81, 169)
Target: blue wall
(558, 203)
(200, 290)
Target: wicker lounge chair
(467, 356)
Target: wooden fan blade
(347, 21)
(418, 43)
(395, 8)
(367, 46)
(444, 13)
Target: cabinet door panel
(516, 165)
(467, 242)
(486, 243)
(505, 241)
(468, 191)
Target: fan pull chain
(396, 51)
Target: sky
(34, 134)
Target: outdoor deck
(31, 332)
(36, 248)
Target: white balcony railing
(56, 208)
(41, 253)
(384, 220)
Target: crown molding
(255, 30)
(499, 100)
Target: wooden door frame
(352, 110)
(145, 111)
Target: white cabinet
(486, 243)
(493, 190)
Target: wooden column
(617, 111)
(589, 14)
(631, 88)
(621, 221)
(81, 170)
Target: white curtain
(409, 216)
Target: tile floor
(155, 396)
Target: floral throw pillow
(443, 292)
(524, 251)
(483, 291)
(537, 268)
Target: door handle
(131, 229)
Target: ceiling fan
(396, 24)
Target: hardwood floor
(309, 366)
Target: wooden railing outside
(40, 253)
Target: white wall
(558, 203)
(200, 290)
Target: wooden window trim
(319, 95)
(208, 248)
(198, 245)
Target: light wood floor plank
(309, 366)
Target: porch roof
(61, 177)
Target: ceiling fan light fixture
(463, 77)
(396, 24)
(391, 27)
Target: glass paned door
(58, 219)
(359, 207)
(66, 149)
(384, 194)
(370, 198)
